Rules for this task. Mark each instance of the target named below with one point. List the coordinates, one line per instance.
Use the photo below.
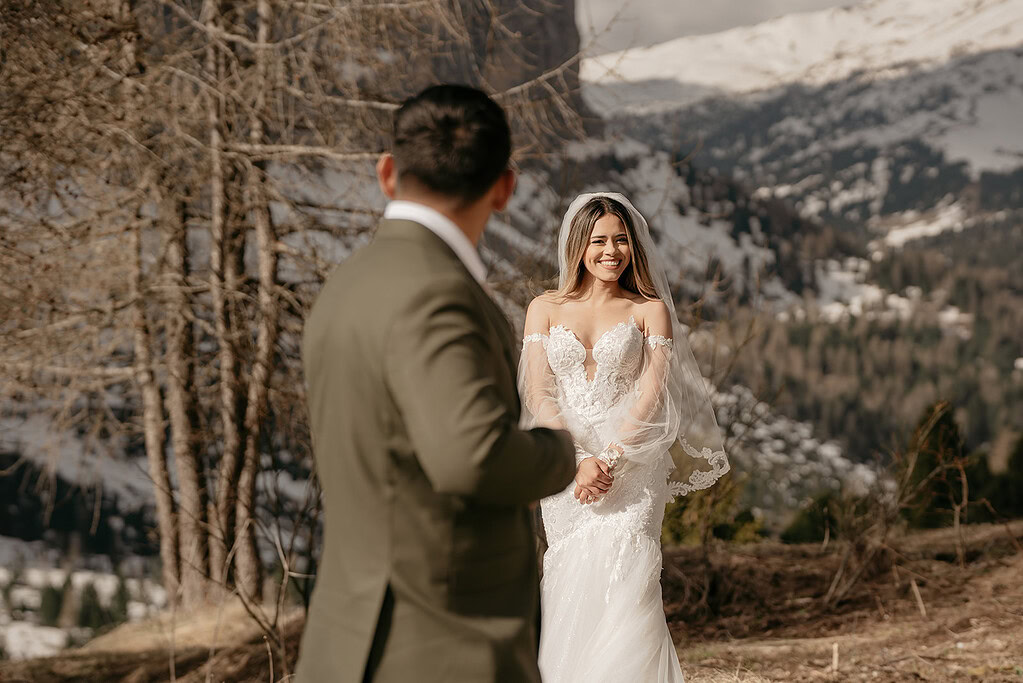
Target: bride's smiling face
(607, 254)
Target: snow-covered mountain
(877, 37)
(892, 114)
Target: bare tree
(154, 174)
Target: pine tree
(49, 609)
(936, 472)
(119, 605)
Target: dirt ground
(969, 628)
(977, 638)
(743, 614)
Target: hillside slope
(768, 626)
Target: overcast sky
(646, 22)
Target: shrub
(91, 613)
(1005, 491)
(813, 522)
(118, 612)
(713, 513)
(935, 471)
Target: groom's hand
(593, 479)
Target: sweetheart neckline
(631, 322)
(625, 323)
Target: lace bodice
(618, 357)
(629, 516)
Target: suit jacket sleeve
(443, 377)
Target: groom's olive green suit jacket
(426, 477)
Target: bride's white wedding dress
(602, 615)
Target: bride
(605, 357)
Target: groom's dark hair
(453, 140)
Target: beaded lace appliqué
(535, 337)
(655, 340)
(617, 357)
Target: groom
(428, 570)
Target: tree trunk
(152, 403)
(248, 567)
(152, 425)
(223, 280)
(192, 531)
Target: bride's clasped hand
(594, 477)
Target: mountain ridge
(880, 37)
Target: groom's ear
(502, 191)
(387, 175)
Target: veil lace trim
(700, 479)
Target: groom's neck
(471, 219)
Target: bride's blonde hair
(636, 277)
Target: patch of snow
(282, 482)
(952, 319)
(154, 593)
(24, 597)
(914, 226)
(783, 190)
(23, 640)
(842, 289)
(790, 465)
(844, 292)
(622, 148)
(41, 577)
(138, 611)
(105, 584)
(991, 136)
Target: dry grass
(714, 676)
(219, 642)
(212, 627)
(972, 631)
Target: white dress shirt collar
(443, 227)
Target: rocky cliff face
(515, 41)
(519, 42)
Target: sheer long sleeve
(537, 386)
(669, 412)
(539, 392)
(646, 423)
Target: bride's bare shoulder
(654, 314)
(538, 313)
